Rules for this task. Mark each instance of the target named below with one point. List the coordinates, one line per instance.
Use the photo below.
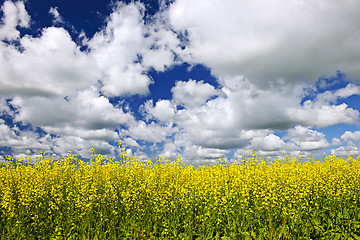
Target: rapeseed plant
(68, 198)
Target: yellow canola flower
(70, 195)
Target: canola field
(290, 198)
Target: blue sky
(205, 79)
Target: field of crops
(291, 198)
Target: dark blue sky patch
(79, 15)
(40, 131)
(9, 121)
(83, 15)
(23, 127)
(164, 81)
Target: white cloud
(22, 142)
(14, 14)
(5, 132)
(53, 85)
(307, 139)
(323, 111)
(346, 151)
(193, 93)
(264, 55)
(131, 143)
(81, 147)
(323, 115)
(30, 143)
(196, 155)
(57, 17)
(86, 134)
(336, 141)
(267, 41)
(86, 110)
(160, 54)
(298, 141)
(211, 125)
(124, 52)
(331, 97)
(270, 143)
(148, 132)
(163, 110)
(51, 64)
(351, 137)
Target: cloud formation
(271, 42)
(57, 91)
(192, 93)
(14, 14)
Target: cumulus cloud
(191, 153)
(264, 56)
(127, 48)
(86, 134)
(163, 110)
(323, 111)
(22, 142)
(200, 155)
(57, 17)
(269, 143)
(336, 141)
(4, 108)
(298, 141)
(52, 64)
(254, 108)
(148, 132)
(49, 65)
(352, 140)
(14, 14)
(86, 110)
(351, 137)
(81, 146)
(346, 151)
(50, 83)
(193, 93)
(307, 139)
(323, 116)
(131, 143)
(87, 120)
(164, 43)
(331, 97)
(27, 142)
(273, 40)
(211, 125)
(229, 121)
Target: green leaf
(247, 235)
(329, 223)
(346, 213)
(336, 236)
(356, 224)
(317, 222)
(356, 237)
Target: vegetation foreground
(103, 199)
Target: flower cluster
(72, 199)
